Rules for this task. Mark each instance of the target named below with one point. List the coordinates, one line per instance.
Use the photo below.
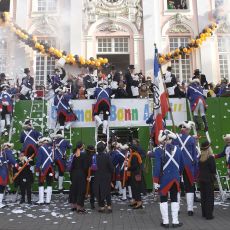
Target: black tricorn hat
(90, 148)
(197, 72)
(131, 67)
(205, 145)
(133, 147)
(26, 70)
(101, 145)
(2, 75)
(113, 67)
(79, 145)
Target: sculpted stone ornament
(139, 14)
(224, 28)
(178, 29)
(112, 28)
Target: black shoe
(190, 213)
(210, 218)
(138, 207)
(164, 225)
(22, 201)
(109, 210)
(92, 206)
(73, 209)
(132, 205)
(101, 210)
(81, 211)
(177, 225)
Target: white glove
(37, 174)
(156, 186)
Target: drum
(24, 90)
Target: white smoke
(222, 13)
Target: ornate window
(3, 55)
(224, 56)
(177, 4)
(44, 65)
(113, 45)
(46, 5)
(182, 66)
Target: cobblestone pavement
(58, 216)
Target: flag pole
(165, 89)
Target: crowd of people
(95, 170)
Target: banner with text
(124, 112)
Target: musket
(21, 169)
(125, 170)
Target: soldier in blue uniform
(103, 104)
(187, 144)
(29, 138)
(197, 102)
(6, 160)
(63, 104)
(117, 158)
(60, 145)
(6, 107)
(167, 169)
(226, 152)
(44, 168)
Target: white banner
(124, 112)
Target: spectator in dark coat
(103, 177)
(170, 81)
(78, 174)
(207, 172)
(120, 91)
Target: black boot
(196, 120)
(177, 225)
(205, 123)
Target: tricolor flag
(161, 106)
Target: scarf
(136, 154)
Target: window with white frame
(224, 56)
(180, 67)
(3, 55)
(46, 5)
(113, 45)
(44, 65)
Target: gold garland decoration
(46, 49)
(191, 46)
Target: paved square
(58, 216)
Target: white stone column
(76, 33)
(208, 52)
(151, 23)
(89, 46)
(136, 51)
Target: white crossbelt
(49, 157)
(60, 103)
(102, 90)
(120, 153)
(58, 148)
(28, 136)
(171, 158)
(196, 90)
(183, 146)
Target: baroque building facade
(124, 31)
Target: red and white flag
(161, 106)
